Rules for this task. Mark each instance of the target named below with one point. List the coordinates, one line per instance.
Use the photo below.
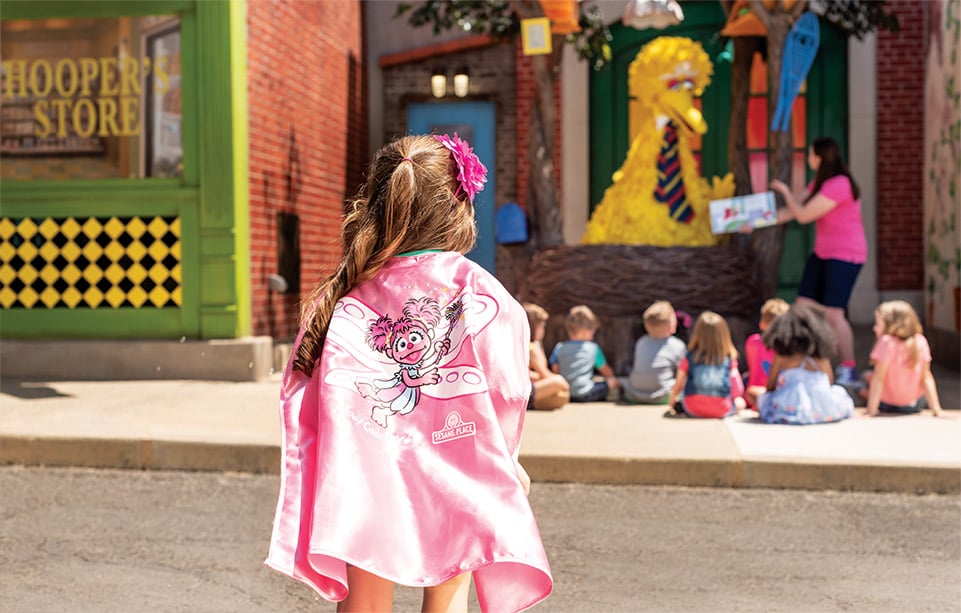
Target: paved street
(122, 541)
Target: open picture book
(754, 210)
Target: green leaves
(497, 17)
(593, 42)
(859, 17)
(475, 16)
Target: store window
(90, 98)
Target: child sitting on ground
(708, 374)
(549, 390)
(657, 355)
(758, 356)
(901, 357)
(578, 358)
(800, 387)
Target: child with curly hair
(800, 388)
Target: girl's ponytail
(360, 230)
(316, 319)
(408, 203)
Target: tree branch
(797, 9)
(765, 16)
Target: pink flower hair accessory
(471, 173)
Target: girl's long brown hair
(901, 321)
(407, 204)
(711, 339)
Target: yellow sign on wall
(536, 36)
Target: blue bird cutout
(800, 50)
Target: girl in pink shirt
(902, 363)
(403, 403)
(759, 356)
(840, 246)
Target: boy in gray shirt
(657, 355)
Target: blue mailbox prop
(511, 224)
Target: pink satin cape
(426, 495)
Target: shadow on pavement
(28, 390)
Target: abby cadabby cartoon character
(408, 341)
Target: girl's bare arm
(772, 376)
(931, 390)
(804, 212)
(678, 386)
(877, 384)
(539, 362)
(824, 365)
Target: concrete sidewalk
(230, 426)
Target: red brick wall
(308, 140)
(900, 142)
(525, 101)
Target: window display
(90, 98)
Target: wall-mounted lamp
(438, 83)
(461, 82)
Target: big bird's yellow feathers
(663, 80)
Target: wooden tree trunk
(542, 199)
(768, 243)
(541, 186)
(744, 49)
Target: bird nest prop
(618, 282)
(623, 280)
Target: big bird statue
(658, 196)
(650, 237)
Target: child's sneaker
(846, 376)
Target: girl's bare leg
(448, 597)
(842, 330)
(551, 393)
(367, 593)
(739, 404)
(753, 393)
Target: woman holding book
(832, 202)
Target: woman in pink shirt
(840, 246)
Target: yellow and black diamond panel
(90, 262)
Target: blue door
(474, 122)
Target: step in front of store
(244, 359)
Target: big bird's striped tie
(670, 186)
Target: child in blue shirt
(579, 358)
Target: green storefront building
(123, 202)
